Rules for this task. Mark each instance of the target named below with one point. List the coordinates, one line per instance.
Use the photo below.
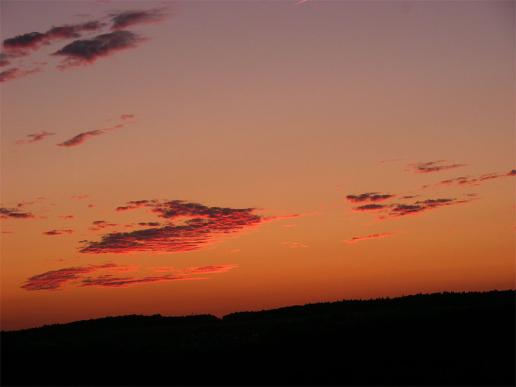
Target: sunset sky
(195, 157)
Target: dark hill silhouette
(435, 339)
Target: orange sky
(281, 153)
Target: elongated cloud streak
(80, 276)
(4, 59)
(119, 282)
(15, 73)
(58, 232)
(369, 197)
(473, 181)
(370, 207)
(397, 210)
(433, 166)
(403, 209)
(55, 279)
(101, 224)
(122, 20)
(199, 226)
(362, 238)
(35, 137)
(81, 138)
(14, 213)
(84, 136)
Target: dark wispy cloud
(15, 73)
(55, 279)
(84, 136)
(35, 137)
(14, 213)
(433, 166)
(81, 138)
(392, 210)
(22, 44)
(362, 238)
(133, 204)
(195, 226)
(124, 19)
(468, 180)
(370, 207)
(369, 197)
(150, 224)
(58, 232)
(73, 31)
(86, 51)
(101, 224)
(401, 209)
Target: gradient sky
(283, 152)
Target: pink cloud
(15, 73)
(34, 137)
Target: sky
(195, 157)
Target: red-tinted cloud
(4, 59)
(199, 226)
(82, 137)
(15, 73)
(58, 232)
(122, 20)
(369, 197)
(34, 137)
(53, 280)
(66, 217)
(14, 213)
(433, 166)
(361, 238)
(87, 51)
(22, 43)
(124, 117)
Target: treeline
(436, 339)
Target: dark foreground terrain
(437, 339)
